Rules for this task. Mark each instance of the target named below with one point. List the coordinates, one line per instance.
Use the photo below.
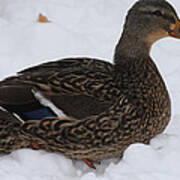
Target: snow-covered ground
(84, 28)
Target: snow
(84, 28)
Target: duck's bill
(176, 31)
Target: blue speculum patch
(38, 114)
(33, 111)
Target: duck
(89, 109)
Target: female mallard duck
(89, 109)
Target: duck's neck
(131, 46)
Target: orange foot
(89, 163)
(34, 145)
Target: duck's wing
(94, 137)
(78, 87)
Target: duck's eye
(157, 13)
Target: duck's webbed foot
(90, 162)
(35, 146)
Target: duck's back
(79, 87)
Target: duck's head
(148, 21)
